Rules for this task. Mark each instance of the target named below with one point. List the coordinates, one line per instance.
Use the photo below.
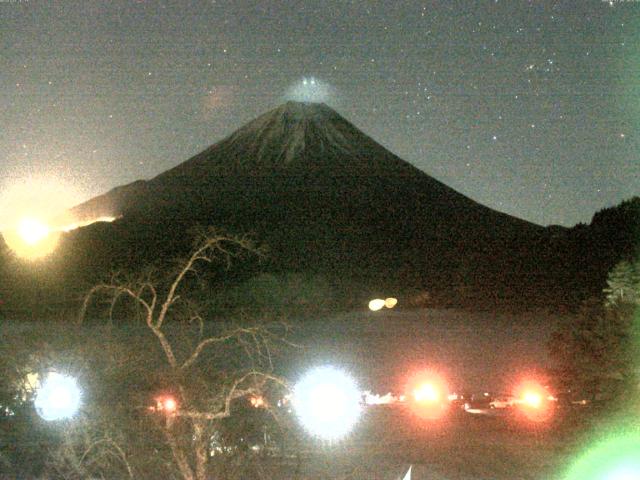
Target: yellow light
(32, 230)
(31, 238)
(390, 302)
(32, 210)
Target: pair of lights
(327, 401)
(258, 402)
(378, 303)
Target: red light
(534, 401)
(428, 395)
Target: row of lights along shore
(327, 401)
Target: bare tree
(89, 449)
(201, 401)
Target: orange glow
(166, 404)
(390, 302)
(32, 213)
(534, 401)
(428, 394)
(257, 402)
(31, 238)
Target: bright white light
(310, 89)
(327, 402)
(58, 397)
(376, 304)
(625, 472)
(32, 230)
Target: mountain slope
(325, 197)
(297, 146)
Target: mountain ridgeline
(328, 200)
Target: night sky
(529, 107)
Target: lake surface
(475, 351)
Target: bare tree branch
(232, 394)
(191, 456)
(118, 450)
(237, 333)
(115, 291)
(178, 454)
(164, 343)
(205, 253)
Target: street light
(166, 404)
(327, 402)
(428, 395)
(534, 401)
(58, 398)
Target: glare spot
(311, 89)
(376, 304)
(32, 230)
(533, 399)
(429, 393)
(327, 402)
(617, 458)
(426, 393)
(58, 398)
(34, 212)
